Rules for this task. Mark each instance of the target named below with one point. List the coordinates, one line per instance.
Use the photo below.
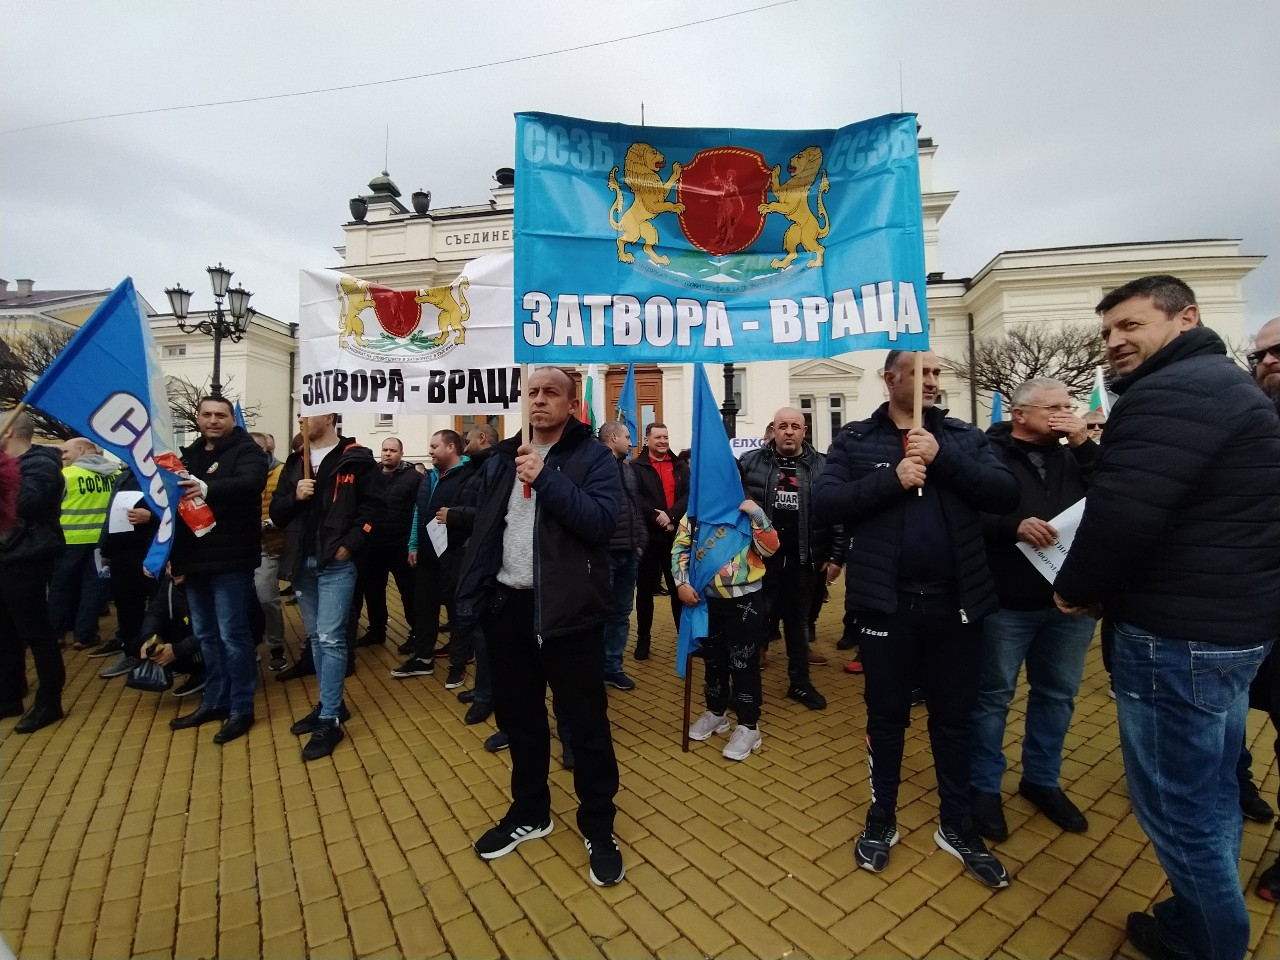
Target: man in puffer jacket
(626, 548)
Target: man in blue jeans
(626, 547)
(328, 513)
(1028, 627)
(1180, 543)
(228, 469)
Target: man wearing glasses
(1028, 627)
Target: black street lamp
(220, 326)
(729, 409)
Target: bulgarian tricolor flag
(1099, 399)
(592, 412)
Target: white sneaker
(707, 724)
(743, 742)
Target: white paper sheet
(439, 534)
(1049, 560)
(121, 504)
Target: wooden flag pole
(306, 449)
(917, 401)
(688, 698)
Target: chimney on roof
(4, 286)
(24, 287)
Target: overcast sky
(1058, 123)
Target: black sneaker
(497, 742)
(1252, 805)
(872, 849)
(1269, 883)
(324, 738)
(414, 667)
(456, 678)
(619, 681)
(500, 840)
(309, 723)
(846, 643)
(406, 649)
(1057, 806)
(278, 662)
(805, 694)
(988, 815)
(107, 649)
(606, 861)
(478, 712)
(975, 856)
(194, 684)
(442, 652)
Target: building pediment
(825, 369)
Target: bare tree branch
(1068, 353)
(24, 356)
(184, 401)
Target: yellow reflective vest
(85, 502)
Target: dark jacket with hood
(235, 471)
(344, 510)
(399, 494)
(577, 501)
(1181, 528)
(1066, 478)
(462, 515)
(631, 533)
(819, 542)
(859, 487)
(440, 490)
(653, 497)
(36, 534)
(129, 546)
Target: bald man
(76, 591)
(780, 476)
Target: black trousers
(573, 667)
(385, 561)
(731, 656)
(789, 593)
(434, 586)
(655, 567)
(24, 624)
(923, 644)
(131, 591)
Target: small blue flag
(997, 408)
(107, 384)
(239, 412)
(627, 410)
(718, 528)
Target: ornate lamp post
(219, 325)
(729, 409)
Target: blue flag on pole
(627, 410)
(719, 529)
(107, 384)
(997, 407)
(239, 412)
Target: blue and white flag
(997, 408)
(718, 528)
(636, 243)
(107, 384)
(239, 415)
(628, 411)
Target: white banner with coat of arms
(446, 349)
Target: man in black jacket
(1028, 627)
(626, 548)
(336, 506)
(536, 572)
(664, 489)
(27, 553)
(389, 548)
(1180, 544)
(909, 499)
(780, 476)
(228, 469)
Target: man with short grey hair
(626, 548)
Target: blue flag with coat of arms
(107, 384)
(717, 527)
(627, 410)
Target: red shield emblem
(397, 311)
(722, 190)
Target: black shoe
(988, 815)
(478, 712)
(309, 723)
(40, 716)
(193, 684)
(202, 714)
(466, 696)
(414, 667)
(975, 856)
(606, 861)
(107, 649)
(567, 759)
(324, 738)
(1144, 933)
(805, 694)
(236, 726)
(277, 662)
(642, 650)
(371, 639)
(917, 696)
(872, 848)
(305, 667)
(497, 742)
(442, 652)
(500, 840)
(619, 681)
(1252, 805)
(406, 649)
(446, 627)
(846, 643)
(1269, 883)
(457, 677)
(1055, 805)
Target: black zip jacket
(236, 472)
(36, 533)
(446, 493)
(346, 507)
(819, 542)
(578, 497)
(1181, 528)
(462, 515)
(631, 532)
(652, 496)
(399, 494)
(859, 487)
(1020, 585)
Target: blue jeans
(219, 608)
(324, 599)
(1182, 706)
(1053, 647)
(624, 565)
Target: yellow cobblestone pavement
(122, 838)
